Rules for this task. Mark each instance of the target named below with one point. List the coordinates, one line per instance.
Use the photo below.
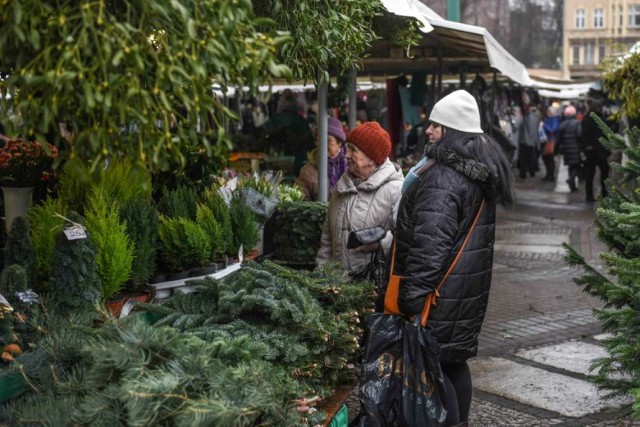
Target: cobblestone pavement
(534, 301)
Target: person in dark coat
(596, 154)
(434, 216)
(568, 144)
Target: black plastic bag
(401, 382)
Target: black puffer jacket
(434, 217)
(568, 142)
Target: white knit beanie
(458, 111)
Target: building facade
(595, 30)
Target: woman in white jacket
(364, 197)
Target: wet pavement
(539, 335)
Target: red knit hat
(372, 140)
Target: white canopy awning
(459, 47)
(409, 8)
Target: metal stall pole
(353, 99)
(323, 187)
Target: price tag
(75, 233)
(240, 254)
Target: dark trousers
(573, 174)
(457, 382)
(549, 166)
(590, 172)
(527, 160)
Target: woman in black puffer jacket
(568, 144)
(435, 214)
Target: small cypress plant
(75, 284)
(184, 243)
(179, 203)
(114, 250)
(207, 221)
(220, 209)
(13, 279)
(19, 248)
(141, 220)
(243, 224)
(45, 226)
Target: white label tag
(75, 233)
(240, 254)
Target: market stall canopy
(565, 91)
(462, 48)
(409, 8)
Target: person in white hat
(436, 213)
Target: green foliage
(45, 226)
(243, 225)
(116, 72)
(220, 210)
(207, 221)
(141, 221)
(74, 284)
(19, 248)
(618, 220)
(297, 229)
(308, 322)
(76, 181)
(114, 249)
(621, 79)
(323, 36)
(13, 279)
(179, 203)
(122, 180)
(184, 243)
(131, 373)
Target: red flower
(23, 163)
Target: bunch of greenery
(297, 229)
(323, 38)
(140, 218)
(289, 193)
(75, 185)
(243, 225)
(213, 199)
(618, 221)
(19, 248)
(75, 284)
(309, 322)
(131, 373)
(179, 203)
(114, 249)
(621, 78)
(117, 73)
(45, 226)
(184, 243)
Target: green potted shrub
(243, 225)
(214, 200)
(114, 249)
(74, 284)
(19, 248)
(179, 203)
(185, 245)
(207, 221)
(45, 226)
(140, 218)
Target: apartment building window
(634, 15)
(576, 54)
(580, 18)
(601, 52)
(598, 18)
(588, 54)
(620, 16)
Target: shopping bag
(401, 382)
(549, 148)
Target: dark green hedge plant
(19, 248)
(140, 218)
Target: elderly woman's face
(360, 165)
